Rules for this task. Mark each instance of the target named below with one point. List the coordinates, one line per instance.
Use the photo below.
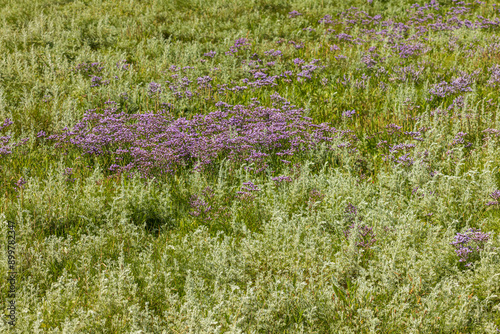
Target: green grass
(99, 252)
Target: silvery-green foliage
(343, 239)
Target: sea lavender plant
(239, 44)
(496, 197)
(348, 113)
(280, 275)
(5, 145)
(365, 235)
(157, 143)
(468, 245)
(20, 184)
(294, 14)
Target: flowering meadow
(253, 166)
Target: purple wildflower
(468, 245)
(365, 236)
(298, 61)
(154, 88)
(239, 44)
(20, 184)
(273, 53)
(210, 54)
(496, 196)
(348, 113)
(282, 178)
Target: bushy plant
(251, 166)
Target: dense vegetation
(251, 166)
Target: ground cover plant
(254, 166)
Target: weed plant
(254, 166)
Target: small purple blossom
(282, 178)
(365, 238)
(5, 145)
(468, 245)
(6, 123)
(247, 191)
(200, 207)
(298, 61)
(68, 172)
(154, 88)
(348, 113)
(239, 44)
(273, 53)
(210, 54)
(122, 65)
(294, 14)
(496, 196)
(351, 210)
(20, 184)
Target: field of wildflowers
(253, 166)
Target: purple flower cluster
(6, 123)
(239, 44)
(20, 184)
(409, 73)
(156, 143)
(298, 61)
(122, 65)
(351, 211)
(496, 196)
(89, 68)
(154, 88)
(369, 60)
(459, 138)
(297, 45)
(468, 245)
(457, 85)
(398, 153)
(68, 172)
(458, 102)
(204, 82)
(247, 191)
(199, 206)
(97, 81)
(365, 235)
(334, 47)
(494, 75)
(408, 50)
(282, 178)
(308, 70)
(210, 54)
(273, 53)
(348, 113)
(5, 145)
